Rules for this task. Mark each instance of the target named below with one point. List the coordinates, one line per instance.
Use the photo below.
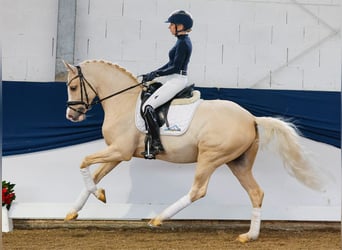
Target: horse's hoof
(243, 238)
(101, 195)
(71, 216)
(155, 223)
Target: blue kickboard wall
(34, 114)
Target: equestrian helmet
(181, 17)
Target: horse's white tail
(286, 143)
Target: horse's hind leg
(242, 169)
(198, 190)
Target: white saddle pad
(179, 117)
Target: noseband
(84, 94)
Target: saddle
(162, 111)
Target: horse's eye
(73, 88)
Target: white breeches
(172, 84)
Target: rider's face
(172, 28)
(175, 27)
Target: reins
(84, 92)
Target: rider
(173, 76)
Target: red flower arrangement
(8, 194)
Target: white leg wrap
(176, 207)
(81, 200)
(88, 180)
(254, 229)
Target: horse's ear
(70, 67)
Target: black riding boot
(153, 144)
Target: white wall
(282, 44)
(48, 182)
(279, 44)
(29, 39)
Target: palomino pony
(221, 132)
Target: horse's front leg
(91, 186)
(102, 171)
(78, 205)
(91, 181)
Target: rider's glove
(149, 76)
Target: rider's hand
(149, 76)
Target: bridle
(84, 94)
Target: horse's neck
(120, 102)
(110, 80)
(117, 104)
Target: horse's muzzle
(76, 114)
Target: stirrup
(149, 153)
(148, 156)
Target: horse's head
(80, 94)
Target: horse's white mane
(117, 66)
